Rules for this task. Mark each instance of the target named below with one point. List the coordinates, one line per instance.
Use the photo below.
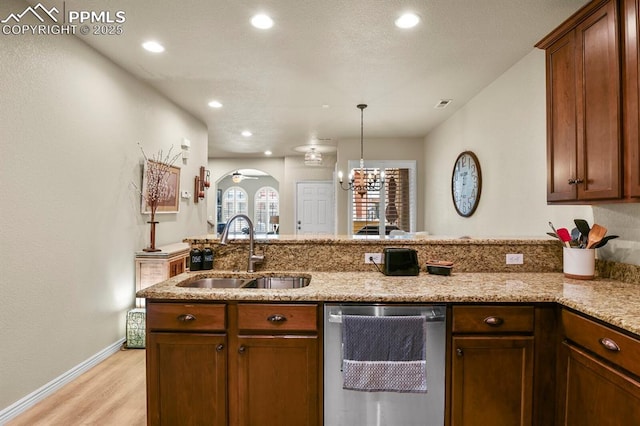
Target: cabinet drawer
(492, 319)
(186, 316)
(274, 317)
(613, 346)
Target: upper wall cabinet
(584, 138)
(631, 117)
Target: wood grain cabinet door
(278, 380)
(186, 379)
(631, 95)
(598, 100)
(562, 157)
(492, 381)
(595, 394)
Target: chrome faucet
(254, 259)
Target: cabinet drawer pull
(242, 349)
(575, 181)
(186, 317)
(493, 321)
(609, 344)
(459, 352)
(220, 347)
(276, 318)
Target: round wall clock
(466, 183)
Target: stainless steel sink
(279, 282)
(216, 282)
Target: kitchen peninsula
(550, 323)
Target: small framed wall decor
(169, 190)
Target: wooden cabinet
(276, 373)
(631, 90)
(597, 375)
(233, 363)
(154, 267)
(186, 364)
(584, 138)
(492, 364)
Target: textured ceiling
(321, 52)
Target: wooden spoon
(596, 234)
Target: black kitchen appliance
(400, 262)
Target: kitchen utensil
(583, 227)
(596, 234)
(551, 234)
(554, 229)
(575, 235)
(604, 240)
(565, 237)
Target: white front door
(315, 209)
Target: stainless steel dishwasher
(357, 408)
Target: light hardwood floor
(111, 393)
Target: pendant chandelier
(363, 182)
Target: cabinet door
(594, 394)
(561, 119)
(631, 95)
(492, 381)
(278, 378)
(186, 379)
(598, 105)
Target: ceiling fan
(238, 177)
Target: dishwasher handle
(429, 316)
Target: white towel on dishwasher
(377, 376)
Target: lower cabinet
(277, 381)
(233, 364)
(492, 365)
(597, 375)
(492, 381)
(187, 379)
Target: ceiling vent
(442, 103)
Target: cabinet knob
(459, 352)
(186, 318)
(242, 349)
(220, 347)
(276, 318)
(575, 181)
(493, 321)
(609, 344)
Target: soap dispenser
(207, 259)
(195, 259)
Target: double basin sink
(262, 282)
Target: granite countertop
(614, 302)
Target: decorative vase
(152, 238)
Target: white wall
(504, 125)
(70, 222)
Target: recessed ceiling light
(268, 152)
(215, 104)
(246, 133)
(153, 46)
(325, 106)
(408, 20)
(262, 21)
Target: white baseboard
(38, 395)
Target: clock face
(466, 183)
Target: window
(266, 206)
(234, 201)
(397, 198)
